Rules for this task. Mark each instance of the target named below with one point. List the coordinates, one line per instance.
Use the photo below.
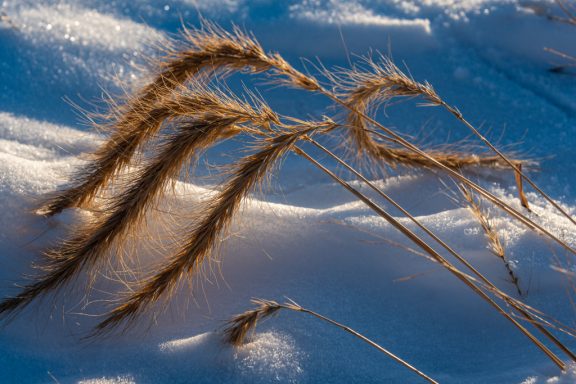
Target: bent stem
(215, 50)
(218, 215)
(486, 194)
(385, 81)
(494, 244)
(526, 315)
(428, 249)
(436, 163)
(240, 325)
(517, 169)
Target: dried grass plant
(568, 16)
(494, 243)
(241, 326)
(180, 114)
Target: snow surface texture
(310, 240)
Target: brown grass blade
(519, 185)
(203, 237)
(484, 280)
(445, 263)
(240, 325)
(494, 244)
(90, 243)
(384, 81)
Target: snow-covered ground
(308, 239)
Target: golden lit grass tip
(383, 81)
(494, 244)
(214, 117)
(205, 235)
(365, 88)
(181, 117)
(241, 326)
(208, 51)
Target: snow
(351, 13)
(306, 239)
(569, 377)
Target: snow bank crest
(273, 355)
(75, 25)
(115, 380)
(270, 356)
(352, 13)
(569, 377)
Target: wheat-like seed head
(494, 243)
(212, 50)
(91, 241)
(240, 326)
(138, 119)
(206, 234)
(381, 81)
(206, 117)
(210, 117)
(363, 89)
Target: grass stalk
(211, 116)
(494, 244)
(387, 81)
(477, 188)
(203, 237)
(241, 325)
(167, 102)
(525, 314)
(208, 51)
(428, 249)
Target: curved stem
(428, 249)
(470, 267)
(515, 167)
(400, 140)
